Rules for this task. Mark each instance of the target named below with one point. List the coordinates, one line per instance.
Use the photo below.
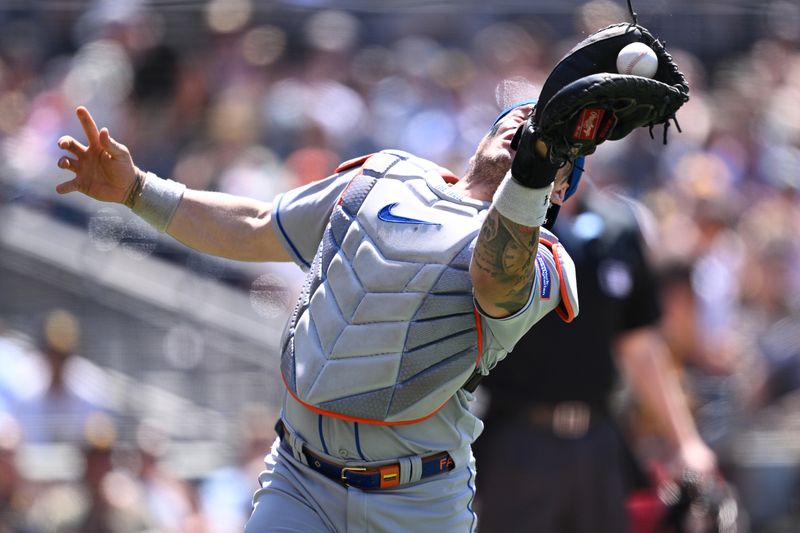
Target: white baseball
(637, 59)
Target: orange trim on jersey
(479, 330)
(355, 418)
(351, 163)
(546, 241)
(448, 176)
(564, 308)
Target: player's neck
(475, 189)
(481, 180)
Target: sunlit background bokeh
(170, 357)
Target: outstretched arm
(210, 222)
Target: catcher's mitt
(585, 102)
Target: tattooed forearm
(504, 255)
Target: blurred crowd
(252, 99)
(66, 465)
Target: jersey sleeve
(301, 214)
(554, 288)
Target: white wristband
(521, 204)
(158, 201)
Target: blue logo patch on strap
(544, 274)
(386, 215)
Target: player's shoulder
(350, 164)
(383, 158)
(397, 164)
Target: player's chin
(492, 165)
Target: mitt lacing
(666, 123)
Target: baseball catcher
(417, 283)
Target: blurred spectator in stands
(14, 372)
(15, 492)
(701, 259)
(765, 453)
(59, 411)
(169, 501)
(20, 369)
(706, 370)
(115, 500)
(104, 499)
(226, 494)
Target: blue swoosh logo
(386, 215)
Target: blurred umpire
(551, 457)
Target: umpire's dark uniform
(551, 459)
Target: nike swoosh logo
(386, 215)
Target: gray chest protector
(385, 330)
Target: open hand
(104, 169)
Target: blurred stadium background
(255, 97)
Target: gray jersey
(369, 276)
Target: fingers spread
(67, 186)
(68, 163)
(71, 145)
(110, 145)
(89, 126)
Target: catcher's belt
(363, 476)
